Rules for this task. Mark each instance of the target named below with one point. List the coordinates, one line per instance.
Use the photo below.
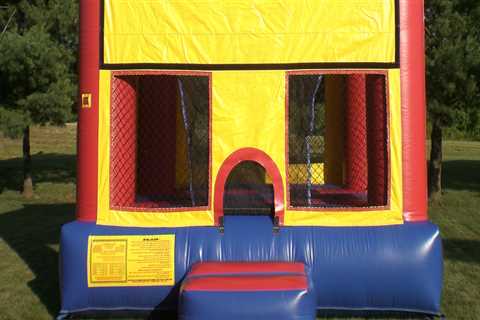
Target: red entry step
(247, 290)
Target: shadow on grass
(33, 233)
(462, 250)
(462, 175)
(51, 167)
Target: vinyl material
(380, 268)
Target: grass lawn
(29, 229)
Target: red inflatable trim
(412, 65)
(87, 141)
(260, 157)
(247, 283)
(222, 268)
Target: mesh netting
(306, 137)
(355, 134)
(159, 141)
(248, 191)
(337, 141)
(377, 138)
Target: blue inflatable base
(265, 305)
(389, 268)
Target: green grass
(29, 229)
(458, 215)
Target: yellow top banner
(249, 31)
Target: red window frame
(208, 75)
(387, 206)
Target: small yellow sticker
(86, 100)
(128, 261)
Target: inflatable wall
(279, 145)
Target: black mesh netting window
(159, 141)
(337, 140)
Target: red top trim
(247, 283)
(222, 268)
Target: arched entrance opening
(261, 159)
(248, 191)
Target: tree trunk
(435, 165)
(27, 165)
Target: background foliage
(37, 63)
(453, 66)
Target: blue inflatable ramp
(234, 291)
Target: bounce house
(247, 159)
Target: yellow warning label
(124, 261)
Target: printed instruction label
(131, 261)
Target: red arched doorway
(260, 157)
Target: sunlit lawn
(29, 229)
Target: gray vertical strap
(8, 22)
(308, 140)
(189, 138)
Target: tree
(453, 60)
(36, 78)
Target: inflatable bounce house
(246, 159)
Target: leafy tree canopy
(453, 62)
(453, 71)
(37, 63)
(37, 68)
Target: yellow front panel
(248, 111)
(248, 31)
(107, 216)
